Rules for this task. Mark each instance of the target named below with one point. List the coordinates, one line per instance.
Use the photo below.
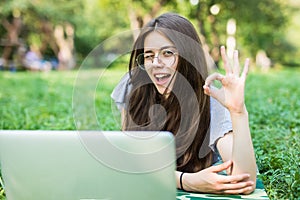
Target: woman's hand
(231, 94)
(209, 181)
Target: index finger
(212, 77)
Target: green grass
(44, 101)
(274, 107)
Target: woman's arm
(236, 146)
(242, 149)
(209, 181)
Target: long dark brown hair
(186, 110)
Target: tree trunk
(138, 21)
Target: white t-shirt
(220, 122)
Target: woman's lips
(161, 78)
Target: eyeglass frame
(159, 59)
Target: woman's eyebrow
(149, 51)
(167, 47)
(162, 48)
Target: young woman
(167, 88)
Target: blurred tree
(141, 12)
(39, 18)
(96, 20)
(262, 25)
(11, 42)
(256, 21)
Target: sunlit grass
(274, 108)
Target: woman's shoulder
(121, 90)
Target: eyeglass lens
(165, 56)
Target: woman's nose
(156, 61)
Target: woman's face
(161, 59)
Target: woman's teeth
(160, 77)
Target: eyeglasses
(165, 56)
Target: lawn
(45, 101)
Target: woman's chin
(161, 89)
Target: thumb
(223, 166)
(214, 92)
(210, 90)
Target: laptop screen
(87, 165)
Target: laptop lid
(70, 165)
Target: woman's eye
(148, 56)
(168, 53)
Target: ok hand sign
(231, 94)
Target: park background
(76, 36)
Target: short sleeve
(220, 122)
(120, 92)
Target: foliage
(256, 21)
(44, 101)
(96, 20)
(260, 34)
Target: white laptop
(94, 165)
